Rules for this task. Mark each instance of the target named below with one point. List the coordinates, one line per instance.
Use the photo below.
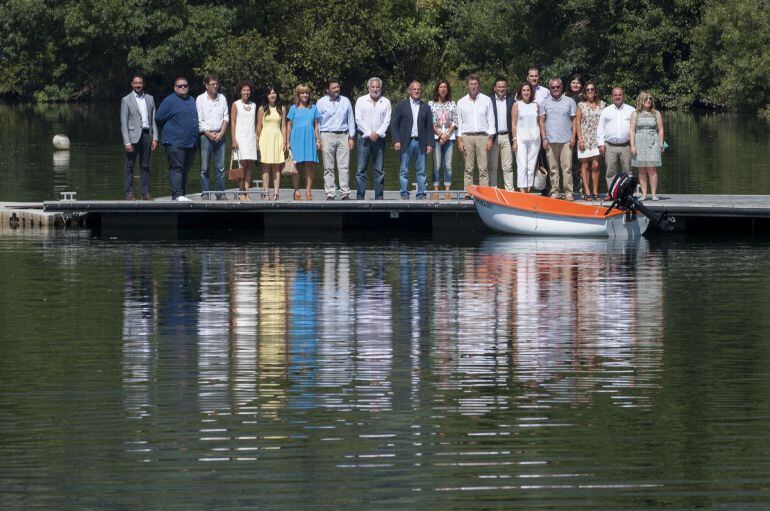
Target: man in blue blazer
(412, 131)
(140, 136)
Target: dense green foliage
(689, 52)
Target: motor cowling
(621, 191)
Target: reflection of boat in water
(533, 245)
(534, 215)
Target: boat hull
(509, 213)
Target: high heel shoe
(297, 195)
(309, 196)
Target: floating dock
(716, 214)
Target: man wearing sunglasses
(177, 117)
(559, 111)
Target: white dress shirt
(211, 113)
(541, 93)
(615, 125)
(475, 116)
(502, 123)
(415, 110)
(141, 103)
(373, 116)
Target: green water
(384, 374)
(709, 154)
(384, 371)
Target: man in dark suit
(140, 136)
(501, 150)
(412, 131)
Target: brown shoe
(297, 195)
(308, 196)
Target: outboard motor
(622, 194)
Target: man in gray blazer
(140, 136)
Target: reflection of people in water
(243, 328)
(273, 350)
(178, 348)
(213, 338)
(373, 335)
(303, 332)
(579, 307)
(336, 320)
(140, 316)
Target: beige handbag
(290, 166)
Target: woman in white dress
(243, 129)
(527, 130)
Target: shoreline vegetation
(691, 54)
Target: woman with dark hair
(303, 140)
(244, 134)
(576, 86)
(271, 124)
(444, 127)
(587, 120)
(527, 130)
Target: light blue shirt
(336, 115)
(415, 110)
(558, 118)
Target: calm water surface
(384, 374)
(709, 154)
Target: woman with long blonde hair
(646, 142)
(302, 138)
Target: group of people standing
(489, 131)
(564, 130)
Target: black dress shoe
(330, 197)
(345, 197)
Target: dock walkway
(718, 213)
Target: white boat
(535, 215)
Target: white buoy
(61, 142)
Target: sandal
(297, 195)
(309, 196)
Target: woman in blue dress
(303, 140)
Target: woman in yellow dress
(271, 123)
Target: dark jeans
(376, 150)
(180, 159)
(142, 150)
(218, 150)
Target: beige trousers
(501, 151)
(476, 153)
(616, 158)
(335, 150)
(560, 158)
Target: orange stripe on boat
(540, 204)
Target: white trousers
(526, 160)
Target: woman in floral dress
(588, 112)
